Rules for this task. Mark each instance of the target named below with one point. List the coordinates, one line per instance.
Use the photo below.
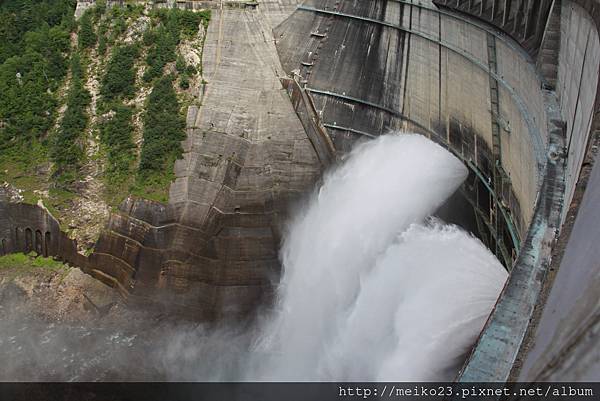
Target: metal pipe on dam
(509, 88)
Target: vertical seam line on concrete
(587, 42)
(496, 140)
(486, 26)
(219, 39)
(440, 69)
(408, 38)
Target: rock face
(212, 250)
(60, 324)
(54, 294)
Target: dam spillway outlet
(294, 190)
(367, 232)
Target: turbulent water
(373, 288)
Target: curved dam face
(511, 90)
(387, 65)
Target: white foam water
(372, 289)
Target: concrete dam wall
(511, 89)
(441, 75)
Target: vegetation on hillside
(34, 47)
(66, 149)
(34, 59)
(164, 129)
(46, 121)
(116, 127)
(16, 265)
(164, 38)
(18, 18)
(115, 134)
(119, 81)
(30, 261)
(87, 35)
(163, 123)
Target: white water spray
(372, 289)
(369, 292)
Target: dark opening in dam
(344, 167)
(470, 207)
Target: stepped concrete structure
(511, 88)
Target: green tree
(174, 23)
(34, 46)
(163, 52)
(87, 35)
(184, 82)
(102, 45)
(66, 148)
(164, 129)
(18, 17)
(52, 44)
(26, 105)
(180, 64)
(119, 80)
(115, 134)
(99, 9)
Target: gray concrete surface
(375, 67)
(566, 346)
(421, 70)
(579, 61)
(246, 157)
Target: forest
(34, 59)
(48, 60)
